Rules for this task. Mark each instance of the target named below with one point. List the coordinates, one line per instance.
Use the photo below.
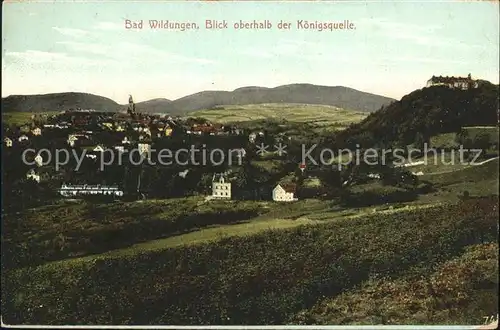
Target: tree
(482, 141)
(419, 140)
(331, 179)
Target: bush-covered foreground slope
(259, 279)
(80, 228)
(461, 291)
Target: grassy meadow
(451, 140)
(474, 131)
(320, 116)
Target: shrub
(373, 195)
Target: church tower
(131, 105)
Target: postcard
(250, 164)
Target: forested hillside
(425, 113)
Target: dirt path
(472, 164)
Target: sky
(395, 48)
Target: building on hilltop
(220, 188)
(463, 83)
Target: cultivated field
(450, 140)
(490, 131)
(20, 118)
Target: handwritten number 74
(490, 319)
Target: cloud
(287, 47)
(376, 24)
(411, 59)
(425, 39)
(58, 59)
(255, 52)
(132, 52)
(93, 48)
(108, 26)
(424, 35)
(70, 31)
(36, 56)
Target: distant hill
(154, 105)
(424, 113)
(338, 96)
(58, 102)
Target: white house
(38, 160)
(252, 137)
(126, 140)
(241, 152)
(144, 137)
(98, 148)
(23, 138)
(8, 142)
(33, 175)
(72, 138)
(220, 188)
(144, 150)
(63, 125)
(36, 131)
(284, 193)
(107, 125)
